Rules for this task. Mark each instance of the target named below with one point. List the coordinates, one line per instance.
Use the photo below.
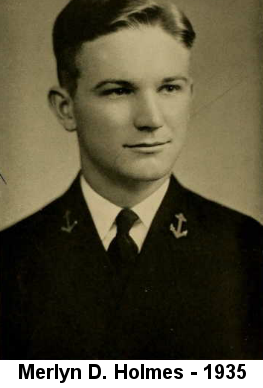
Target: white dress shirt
(104, 213)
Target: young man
(128, 264)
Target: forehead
(134, 53)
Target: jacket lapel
(80, 303)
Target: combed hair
(86, 20)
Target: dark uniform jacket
(195, 292)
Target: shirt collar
(147, 209)
(104, 212)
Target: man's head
(125, 86)
(86, 20)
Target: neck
(126, 193)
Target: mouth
(147, 146)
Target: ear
(62, 105)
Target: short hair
(86, 20)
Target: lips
(146, 145)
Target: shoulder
(47, 214)
(212, 221)
(211, 210)
(47, 221)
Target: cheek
(178, 115)
(105, 117)
(102, 129)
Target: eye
(171, 88)
(116, 92)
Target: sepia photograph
(131, 212)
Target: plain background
(223, 157)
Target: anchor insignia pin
(69, 226)
(178, 233)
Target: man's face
(132, 104)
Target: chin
(155, 169)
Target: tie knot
(125, 220)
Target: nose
(148, 115)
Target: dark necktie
(122, 249)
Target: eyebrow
(129, 84)
(176, 78)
